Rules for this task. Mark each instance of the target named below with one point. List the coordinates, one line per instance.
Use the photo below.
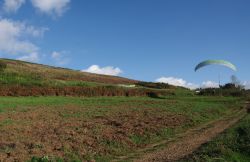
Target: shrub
(155, 85)
(18, 90)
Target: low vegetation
(231, 146)
(226, 90)
(98, 128)
(25, 73)
(155, 85)
(82, 91)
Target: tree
(229, 86)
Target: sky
(149, 40)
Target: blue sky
(140, 39)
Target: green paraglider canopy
(216, 62)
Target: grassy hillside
(25, 73)
(18, 78)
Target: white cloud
(11, 34)
(209, 84)
(55, 55)
(15, 38)
(183, 83)
(108, 70)
(35, 32)
(51, 7)
(33, 57)
(192, 86)
(12, 5)
(59, 58)
(246, 84)
(177, 82)
(172, 81)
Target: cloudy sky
(151, 40)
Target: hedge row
(79, 91)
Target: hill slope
(19, 78)
(31, 71)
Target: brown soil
(186, 143)
(45, 131)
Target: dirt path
(184, 144)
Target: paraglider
(216, 62)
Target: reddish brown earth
(188, 142)
(58, 131)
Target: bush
(155, 85)
(226, 90)
(18, 90)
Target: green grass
(47, 159)
(6, 122)
(29, 74)
(148, 137)
(213, 106)
(198, 110)
(25, 79)
(231, 146)
(7, 78)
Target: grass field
(100, 128)
(232, 146)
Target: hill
(26, 71)
(19, 78)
